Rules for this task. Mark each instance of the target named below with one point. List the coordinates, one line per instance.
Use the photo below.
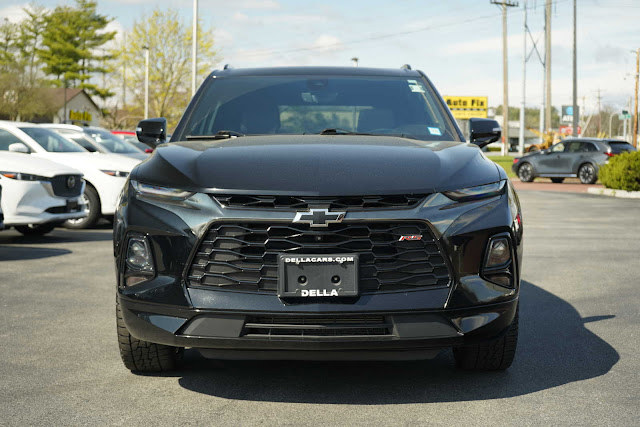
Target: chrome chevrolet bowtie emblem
(319, 217)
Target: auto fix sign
(466, 107)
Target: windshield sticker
(434, 131)
(415, 86)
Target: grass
(505, 162)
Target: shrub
(622, 172)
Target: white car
(97, 140)
(38, 194)
(105, 174)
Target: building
(79, 109)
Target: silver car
(571, 158)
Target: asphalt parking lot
(577, 361)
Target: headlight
(23, 176)
(155, 191)
(478, 192)
(115, 173)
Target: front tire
(496, 355)
(35, 229)
(525, 172)
(92, 201)
(143, 356)
(587, 174)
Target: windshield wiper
(221, 134)
(338, 131)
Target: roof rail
(406, 67)
(227, 66)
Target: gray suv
(574, 157)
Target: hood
(318, 165)
(86, 161)
(25, 163)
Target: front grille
(60, 187)
(244, 256)
(301, 203)
(316, 326)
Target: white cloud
(327, 42)
(14, 13)
(260, 4)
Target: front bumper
(228, 334)
(33, 202)
(164, 309)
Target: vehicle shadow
(59, 235)
(555, 348)
(15, 253)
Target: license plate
(310, 276)
(72, 205)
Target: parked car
(573, 157)
(93, 139)
(104, 174)
(132, 139)
(38, 194)
(318, 213)
(1, 214)
(113, 143)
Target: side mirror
(18, 147)
(152, 131)
(484, 131)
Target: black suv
(318, 214)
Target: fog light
(139, 255)
(499, 252)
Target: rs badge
(410, 237)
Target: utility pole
(146, 81)
(634, 137)
(124, 76)
(576, 113)
(194, 48)
(524, 86)
(547, 62)
(505, 75)
(599, 116)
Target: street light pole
(576, 113)
(524, 85)
(194, 48)
(634, 137)
(146, 81)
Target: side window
(558, 148)
(6, 139)
(588, 147)
(575, 146)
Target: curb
(614, 193)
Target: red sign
(568, 130)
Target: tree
(531, 116)
(70, 44)
(169, 42)
(20, 97)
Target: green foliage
(168, 40)
(505, 163)
(20, 78)
(72, 37)
(531, 116)
(622, 172)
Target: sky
(457, 43)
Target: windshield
(111, 142)
(308, 105)
(51, 141)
